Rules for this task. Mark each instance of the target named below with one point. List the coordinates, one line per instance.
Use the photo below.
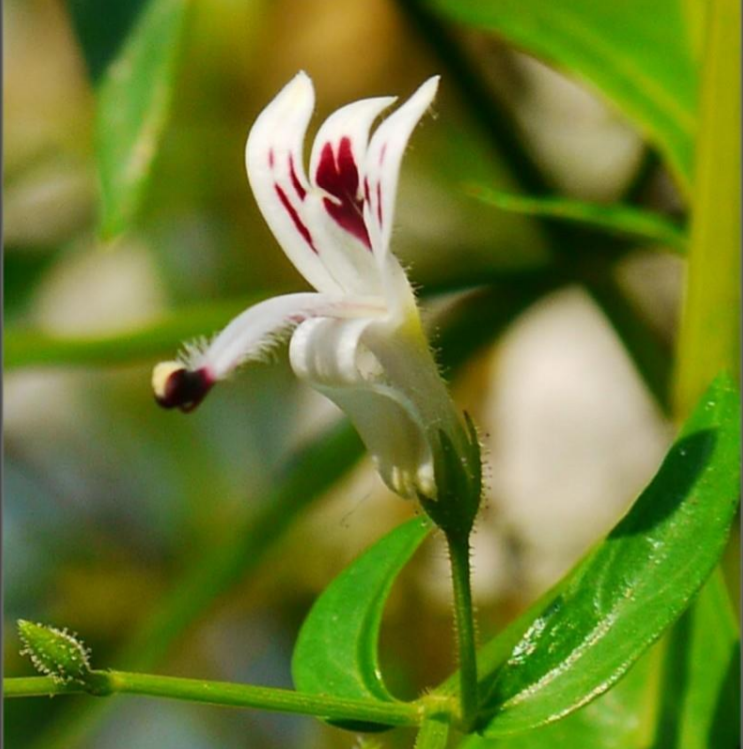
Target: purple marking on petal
(367, 197)
(379, 202)
(270, 158)
(301, 228)
(296, 184)
(338, 175)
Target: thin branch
(226, 694)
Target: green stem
(37, 686)
(433, 734)
(229, 695)
(459, 555)
(709, 337)
(710, 330)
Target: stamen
(177, 387)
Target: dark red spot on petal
(338, 175)
(270, 158)
(301, 228)
(301, 192)
(367, 196)
(185, 389)
(379, 202)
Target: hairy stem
(433, 734)
(459, 555)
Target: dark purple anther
(184, 389)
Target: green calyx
(458, 473)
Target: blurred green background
(117, 513)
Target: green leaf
(622, 597)
(681, 694)
(22, 271)
(637, 53)
(613, 721)
(621, 220)
(101, 34)
(133, 103)
(699, 694)
(336, 651)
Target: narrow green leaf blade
(336, 651)
(638, 53)
(617, 219)
(699, 693)
(133, 104)
(100, 35)
(622, 597)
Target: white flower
(358, 339)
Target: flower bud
(55, 652)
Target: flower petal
(381, 172)
(254, 332)
(335, 203)
(274, 162)
(382, 163)
(330, 355)
(388, 385)
(249, 337)
(337, 160)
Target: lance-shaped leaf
(699, 690)
(626, 221)
(336, 652)
(682, 693)
(637, 53)
(100, 35)
(133, 103)
(616, 720)
(624, 595)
